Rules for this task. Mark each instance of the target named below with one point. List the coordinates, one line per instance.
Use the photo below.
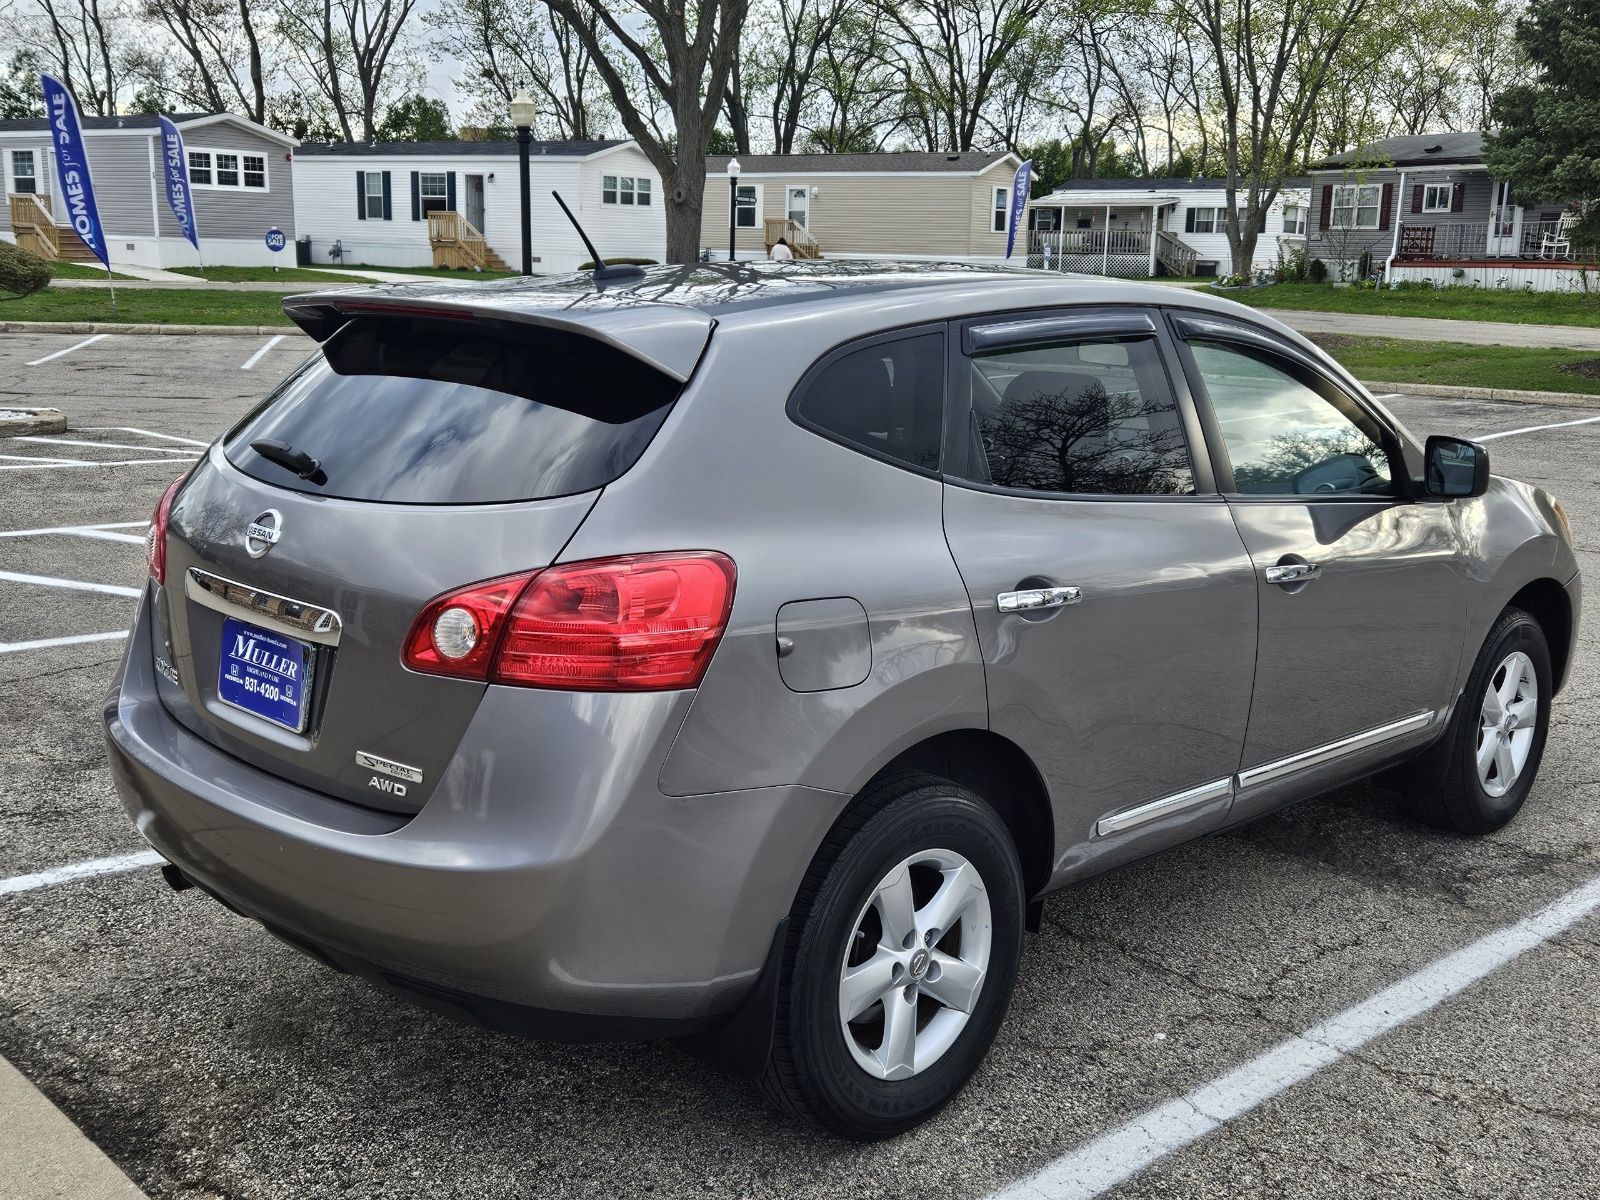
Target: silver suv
(740, 654)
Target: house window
(24, 177)
(228, 170)
(374, 195)
(625, 189)
(1355, 206)
(1294, 219)
(433, 191)
(1002, 209)
(744, 206)
(255, 171)
(1205, 221)
(200, 167)
(1436, 197)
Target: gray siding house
(239, 173)
(1425, 207)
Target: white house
(240, 174)
(417, 204)
(1137, 228)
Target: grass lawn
(262, 275)
(72, 270)
(1391, 360)
(1463, 304)
(442, 272)
(156, 306)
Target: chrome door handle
(1052, 597)
(1293, 572)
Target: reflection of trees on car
(1084, 439)
(1293, 454)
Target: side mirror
(1457, 468)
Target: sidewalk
(150, 277)
(44, 1156)
(1436, 329)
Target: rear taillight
(155, 539)
(644, 622)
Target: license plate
(265, 674)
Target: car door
(1362, 599)
(1114, 601)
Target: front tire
(1477, 778)
(903, 951)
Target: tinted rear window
(431, 411)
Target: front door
(799, 206)
(1114, 600)
(1362, 597)
(474, 201)
(1505, 224)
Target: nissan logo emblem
(263, 533)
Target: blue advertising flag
(72, 167)
(175, 174)
(1019, 202)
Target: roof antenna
(601, 271)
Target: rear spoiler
(667, 337)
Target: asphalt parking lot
(209, 1060)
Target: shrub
(1295, 268)
(1364, 265)
(21, 273)
(1318, 271)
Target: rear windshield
(432, 411)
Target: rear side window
(432, 411)
(886, 398)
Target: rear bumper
(547, 885)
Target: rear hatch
(417, 452)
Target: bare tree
(82, 42)
(351, 53)
(685, 55)
(220, 44)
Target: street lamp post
(733, 202)
(522, 120)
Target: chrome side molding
(295, 618)
(1317, 755)
(1131, 818)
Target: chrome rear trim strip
(295, 618)
(1133, 817)
(1317, 755)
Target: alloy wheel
(1508, 720)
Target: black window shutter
(450, 191)
(1458, 197)
(416, 196)
(1388, 203)
(1188, 220)
(388, 203)
(361, 195)
(1416, 199)
(1327, 206)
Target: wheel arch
(1547, 602)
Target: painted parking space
(209, 1059)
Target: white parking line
(72, 585)
(261, 353)
(84, 530)
(89, 341)
(1489, 437)
(76, 639)
(39, 458)
(80, 870)
(46, 465)
(61, 441)
(167, 437)
(1117, 1156)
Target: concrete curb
(29, 420)
(47, 1157)
(176, 330)
(1504, 395)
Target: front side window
(1205, 220)
(886, 398)
(255, 171)
(608, 189)
(24, 175)
(1285, 437)
(1086, 417)
(1436, 197)
(1294, 219)
(744, 206)
(1002, 208)
(1355, 206)
(227, 170)
(433, 190)
(374, 195)
(625, 189)
(642, 189)
(200, 167)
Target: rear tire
(1477, 777)
(917, 894)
